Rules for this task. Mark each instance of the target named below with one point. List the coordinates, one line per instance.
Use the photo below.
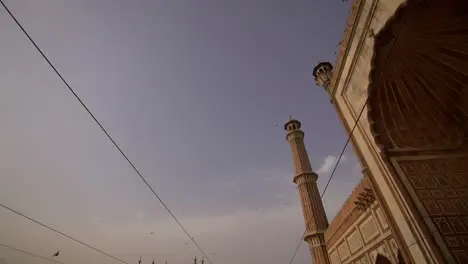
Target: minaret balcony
(315, 239)
(305, 177)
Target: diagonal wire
(61, 233)
(105, 131)
(344, 148)
(30, 254)
(345, 145)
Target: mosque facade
(400, 88)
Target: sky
(190, 90)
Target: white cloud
(329, 163)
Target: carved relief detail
(441, 186)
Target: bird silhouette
(56, 254)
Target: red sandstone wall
(346, 216)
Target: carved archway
(418, 111)
(382, 260)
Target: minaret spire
(312, 206)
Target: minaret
(323, 75)
(312, 206)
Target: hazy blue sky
(191, 90)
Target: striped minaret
(306, 180)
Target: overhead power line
(344, 148)
(104, 130)
(61, 233)
(30, 254)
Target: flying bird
(275, 125)
(56, 254)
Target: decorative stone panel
(393, 246)
(343, 251)
(363, 260)
(354, 242)
(368, 229)
(382, 219)
(334, 258)
(441, 186)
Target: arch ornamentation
(382, 260)
(418, 115)
(419, 62)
